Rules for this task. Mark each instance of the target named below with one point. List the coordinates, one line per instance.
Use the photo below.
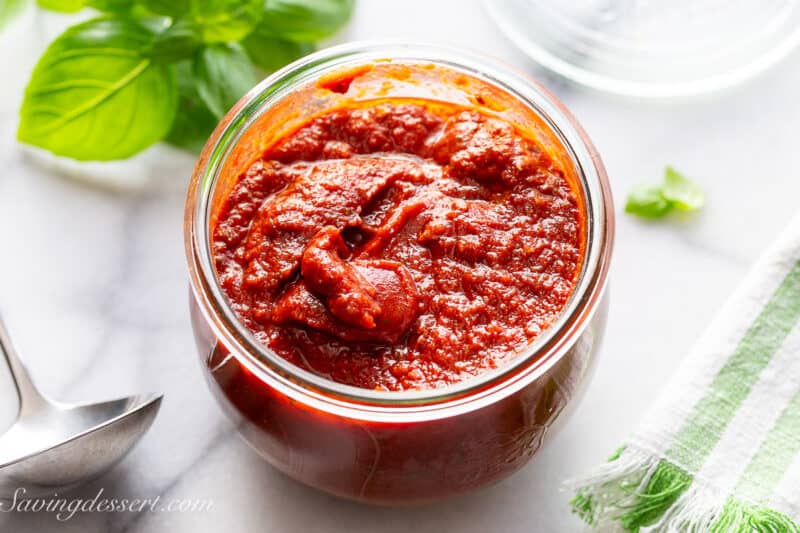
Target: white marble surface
(93, 283)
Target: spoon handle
(29, 396)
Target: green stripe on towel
(712, 414)
(774, 457)
(747, 511)
(637, 492)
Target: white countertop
(94, 288)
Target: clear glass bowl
(651, 48)
(395, 447)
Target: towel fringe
(639, 492)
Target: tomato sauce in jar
(400, 245)
(398, 268)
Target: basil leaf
(647, 201)
(169, 8)
(223, 74)
(192, 127)
(10, 9)
(194, 123)
(110, 6)
(95, 96)
(224, 20)
(682, 193)
(306, 20)
(178, 41)
(62, 6)
(271, 53)
(656, 201)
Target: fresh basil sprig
(676, 192)
(150, 70)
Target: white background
(93, 284)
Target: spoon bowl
(63, 446)
(53, 446)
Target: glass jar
(396, 447)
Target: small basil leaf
(194, 123)
(271, 53)
(178, 41)
(682, 193)
(223, 74)
(306, 20)
(62, 6)
(169, 8)
(647, 201)
(94, 96)
(225, 20)
(10, 9)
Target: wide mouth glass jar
(411, 446)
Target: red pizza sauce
(400, 244)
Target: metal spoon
(53, 446)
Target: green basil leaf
(110, 6)
(682, 193)
(271, 53)
(169, 8)
(155, 24)
(178, 41)
(192, 127)
(95, 96)
(62, 6)
(224, 20)
(10, 9)
(305, 20)
(647, 201)
(194, 123)
(223, 74)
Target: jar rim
(529, 363)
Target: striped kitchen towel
(720, 452)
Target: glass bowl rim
(655, 89)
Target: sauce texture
(400, 244)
